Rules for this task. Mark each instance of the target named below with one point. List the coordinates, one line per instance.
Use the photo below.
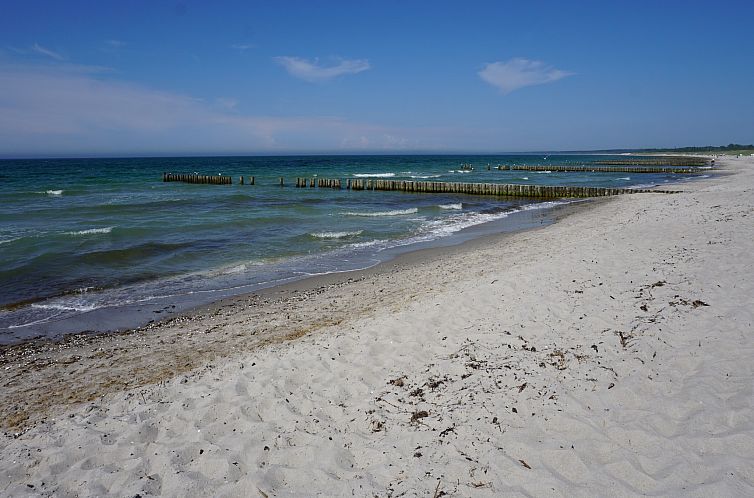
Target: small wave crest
(396, 212)
(91, 231)
(424, 177)
(373, 175)
(336, 235)
(458, 205)
(232, 270)
(65, 306)
(541, 205)
(625, 178)
(643, 186)
(369, 243)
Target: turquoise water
(78, 235)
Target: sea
(99, 245)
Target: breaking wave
(91, 231)
(397, 212)
(373, 175)
(336, 235)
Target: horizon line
(314, 154)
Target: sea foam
(458, 205)
(369, 243)
(91, 231)
(374, 175)
(397, 212)
(423, 177)
(335, 235)
(73, 306)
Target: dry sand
(608, 354)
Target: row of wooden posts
(605, 169)
(497, 189)
(319, 182)
(201, 179)
(665, 161)
(207, 179)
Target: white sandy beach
(608, 354)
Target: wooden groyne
(202, 179)
(497, 189)
(604, 169)
(656, 161)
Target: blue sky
(196, 77)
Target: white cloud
(518, 73)
(46, 51)
(313, 71)
(67, 109)
(115, 43)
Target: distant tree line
(708, 148)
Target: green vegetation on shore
(730, 149)
(722, 149)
